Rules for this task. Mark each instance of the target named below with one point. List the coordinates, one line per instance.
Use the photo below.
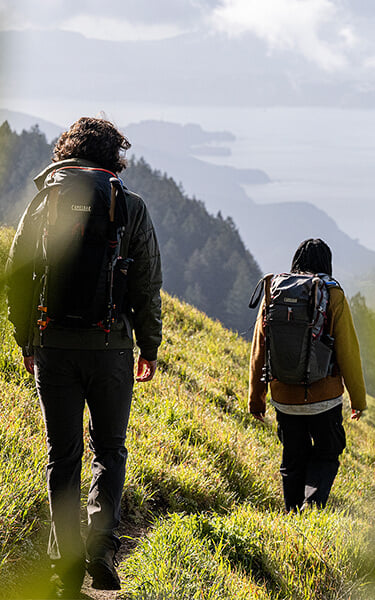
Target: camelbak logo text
(81, 207)
(291, 300)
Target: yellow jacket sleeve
(347, 352)
(257, 388)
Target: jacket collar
(81, 162)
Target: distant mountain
(272, 232)
(173, 149)
(204, 259)
(190, 69)
(20, 121)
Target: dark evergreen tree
(204, 259)
(21, 157)
(364, 321)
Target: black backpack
(298, 349)
(81, 276)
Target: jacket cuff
(149, 353)
(27, 350)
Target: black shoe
(60, 591)
(70, 576)
(68, 593)
(102, 570)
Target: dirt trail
(136, 533)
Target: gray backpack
(298, 350)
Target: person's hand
(356, 414)
(259, 416)
(146, 369)
(28, 361)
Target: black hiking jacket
(142, 306)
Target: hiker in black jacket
(76, 358)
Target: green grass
(203, 475)
(247, 554)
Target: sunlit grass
(203, 475)
(248, 554)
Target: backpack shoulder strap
(263, 285)
(28, 227)
(267, 287)
(118, 209)
(329, 281)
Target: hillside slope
(202, 480)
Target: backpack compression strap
(117, 213)
(263, 285)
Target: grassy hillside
(202, 481)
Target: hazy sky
(237, 54)
(333, 34)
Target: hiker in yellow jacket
(310, 424)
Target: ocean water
(325, 156)
(321, 155)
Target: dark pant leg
(62, 402)
(109, 393)
(297, 446)
(328, 436)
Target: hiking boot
(70, 578)
(65, 592)
(102, 570)
(68, 593)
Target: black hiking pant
(65, 379)
(312, 445)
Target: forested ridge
(364, 320)
(21, 156)
(204, 259)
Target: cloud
(182, 14)
(25, 14)
(369, 63)
(107, 28)
(350, 38)
(323, 31)
(307, 26)
(361, 8)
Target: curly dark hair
(93, 139)
(312, 256)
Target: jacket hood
(39, 179)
